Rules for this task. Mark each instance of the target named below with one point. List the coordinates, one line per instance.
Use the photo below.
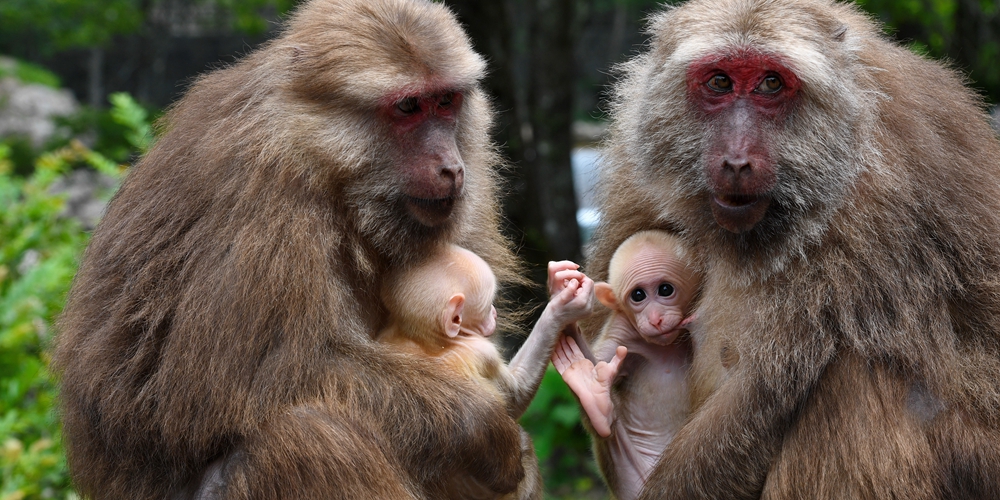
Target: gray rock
(28, 109)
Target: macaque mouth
(736, 200)
(431, 211)
(738, 213)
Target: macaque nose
(454, 174)
(736, 167)
(655, 320)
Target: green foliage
(126, 112)
(56, 25)
(29, 73)
(71, 23)
(39, 254)
(246, 14)
(562, 446)
(966, 33)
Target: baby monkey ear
(451, 317)
(606, 295)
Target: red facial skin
(430, 163)
(743, 95)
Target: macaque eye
(665, 290)
(637, 295)
(408, 106)
(447, 99)
(720, 83)
(769, 85)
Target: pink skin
(432, 169)
(744, 94)
(591, 383)
(656, 289)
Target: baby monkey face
(656, 289)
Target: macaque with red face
(443, 309)
(218, 340)
(843, 194)
(639, 399)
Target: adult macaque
(443, 309)
(639, 399)
(218, 339)
(843, 195)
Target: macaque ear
(452, 316)
(606, 295)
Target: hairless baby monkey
(443, 309)
(638, 399)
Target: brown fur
(224, 310)
(860, 317)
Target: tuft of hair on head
(652, 237)
(416, 296)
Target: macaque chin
(443, 310)
(634, 388)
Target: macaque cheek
(490, 324)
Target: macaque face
(743, 94)
(481, 316)
(654, 293)
(482, 324)
(467, 287)
(431, 166)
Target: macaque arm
(726, 448)
(574, 301)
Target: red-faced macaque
(443, 309)
(218, 338)
(636, 396)
(843, 197)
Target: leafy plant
(562, 446)
(39, 254)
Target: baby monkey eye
(665, 290)
(637, 295)
(720, 83)
(769, 85)
(408, 106)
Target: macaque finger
(601, 426)
(569, 291)
(559, 358)
(555, 268)
(574, 349)
(616, 361)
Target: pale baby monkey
(443, 309)
(638, 400)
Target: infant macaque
(443, 309)
(639, 399)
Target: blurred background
(81, 81)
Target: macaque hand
(590, 383)
(560, 274)
(574, 301)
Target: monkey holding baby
(842, 196)
(636, 397)
(442, 309)
(218, 338)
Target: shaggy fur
(861, 315)
(224, 311)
